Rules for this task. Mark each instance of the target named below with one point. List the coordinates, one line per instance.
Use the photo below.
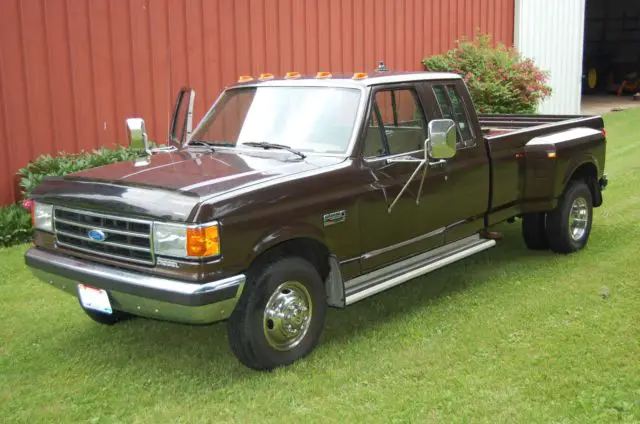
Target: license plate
(94, 298)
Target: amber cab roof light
(265, 76)
(323, 75)
(245, 78)
(292, 75)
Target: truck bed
(494, 125)
(506, 137)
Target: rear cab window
(452, 107)
(397, 123)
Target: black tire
(251, 333)
(106, 319)
(562, 236)
(534, 230)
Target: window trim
(374, 108)
(352, 147)
(444, 86)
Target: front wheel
(569, 224)
(280, 315)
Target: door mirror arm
(138, 134)
(440, 144)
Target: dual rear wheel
(565, 229)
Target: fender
(288, 232)
(551, 161)
(571, 167)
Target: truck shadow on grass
(435, 287)
(141, 345)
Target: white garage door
(551, 32)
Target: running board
(390, 276)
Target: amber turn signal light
(203, 241)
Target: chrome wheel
(578, 218)
(287, 315)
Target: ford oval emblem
(97, 235)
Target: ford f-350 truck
(296, 193)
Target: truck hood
(204, 173)
(170, 185)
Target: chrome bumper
(141, 294)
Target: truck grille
(124, 239)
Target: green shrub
(499, 79)
(15, 225)
(15, 220)
(65, 163)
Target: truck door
(393, 141)
(468, 172)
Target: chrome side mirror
(441, 143)
(137, 134)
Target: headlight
(186, 241)
(42, 216)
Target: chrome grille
(126, 239)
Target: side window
(460, 116)
(402, 127)
(443, 102)
(373, 145)
(452, 107)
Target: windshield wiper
(212, 144)
(201, 143)
(265, 145)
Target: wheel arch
(587, 172)
(309, 246)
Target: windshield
(310, 119)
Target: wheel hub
(578, 218)
(287, 315)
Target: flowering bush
(15, 219)
(499, 79)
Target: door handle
(439, 163)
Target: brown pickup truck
(297, 193)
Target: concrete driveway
(601, 104)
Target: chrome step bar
(382, 279)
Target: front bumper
(141, 294)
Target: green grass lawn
(509, 335)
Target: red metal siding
(72, 71)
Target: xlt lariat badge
(334, 217)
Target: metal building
(551, 33)
(72, 71)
